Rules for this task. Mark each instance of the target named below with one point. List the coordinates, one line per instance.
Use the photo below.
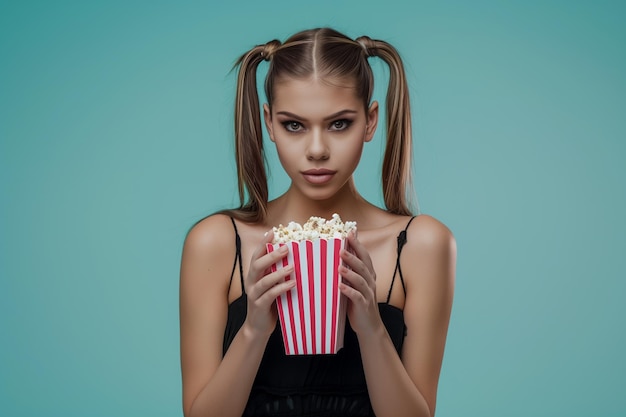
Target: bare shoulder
(429, 263)
(427, 233)
(209, 247)
(210, 233)
(430, 246)
(207, 259)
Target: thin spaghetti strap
(237, 259)
(401, 242)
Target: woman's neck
(294, 206)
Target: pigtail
(251, 174)
(397, 181)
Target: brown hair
(322, 53)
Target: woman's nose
(317, 148)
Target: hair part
(320, 53)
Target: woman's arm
(408, 385)
(212, 385)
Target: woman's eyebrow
(332, 116)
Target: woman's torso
(314, 385)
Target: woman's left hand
(359, 285)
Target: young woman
(399, 280)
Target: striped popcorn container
(312, 314)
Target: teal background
(116, 136)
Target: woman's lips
(318, 176)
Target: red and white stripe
(313, 314)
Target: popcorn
(314, 228)
(312, 314)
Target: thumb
(268, 237)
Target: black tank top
(312, 385)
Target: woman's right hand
(263, 287)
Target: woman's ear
(267, 115)
(372, 121)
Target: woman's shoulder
(426, 227)
(213, 234)
(208, 255)
(430, 250)
(426, 230)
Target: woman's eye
(292, 126)
(342, 124)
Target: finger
(359, 250)
(358, 266)
(268, 281)
(260, 251)
(274, 292)
(272, 257)
(352, 261)
(263, 259)
(356, 281)
(353, 295)
(262, 248)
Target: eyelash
(290, 123)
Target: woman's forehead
(315, 96)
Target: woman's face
(319, 128)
